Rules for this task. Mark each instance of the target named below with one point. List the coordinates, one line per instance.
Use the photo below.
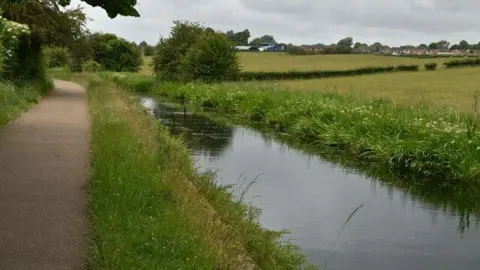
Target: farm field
(454, 87)
(285, 62)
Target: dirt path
(44, 159)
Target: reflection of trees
(199, 132)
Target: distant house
(272, 48)
(246, 48)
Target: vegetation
(92, 66)
(115, 54)
(193, 52)
(16, 98)
(407, 68)
(431, 66)
(445, 87)
(22, 79)
(283, 62)
(418, 142)
(187, 221)
(463, 63)
(57, 57)
(248, 76)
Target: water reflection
(398, 227)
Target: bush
(115, 54)
(407, 68)
(81, 52)
(212, 58)
(297, 50)
(92, 66)
(463, 63)
(431, 66)
(172, 50)
(57, 57)
(290, 75)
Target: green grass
(152, 210)
(15, 99)
(446, 87)
(281, 62)
(419, 142)
(284, 62)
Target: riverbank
(15, 99)
(151, 208)
(418, 142)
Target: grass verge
(152, 210)
(16, 98)
(418, 142)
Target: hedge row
(290, 75)
(463, 63)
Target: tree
(344, 45)
(463, 45)
(433, 46)
(443, 45)
(115, 54)
(113, 8)
(148, 50)
(170, 51)
(211, 58)
(265, 39)
(407, 47)
(376, 47)
(422, 46)
(455, 47)
(239, 38)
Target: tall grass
(153, 210)
(418, 142)
(15, 99)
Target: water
(313, 198)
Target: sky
(390, 22)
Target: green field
(452, 87)
(284, 62)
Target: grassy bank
(446, 87)
(150, 207)
(16, 98)
(418, 142)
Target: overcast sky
(305, 21)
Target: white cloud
(306, 21)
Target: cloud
(306, 21)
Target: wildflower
(470, 142)
(478, 148)
(452, 142)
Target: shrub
(431, 66)
(297, 50)
(57, 57)
(115, 54)
(212, 58)
(81, 52)
(171, 51)
(290, 75)
(148, 50)
(407, 68)
(463, 63)
(92, 66)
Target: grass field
(452, 87)
(285, 62)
